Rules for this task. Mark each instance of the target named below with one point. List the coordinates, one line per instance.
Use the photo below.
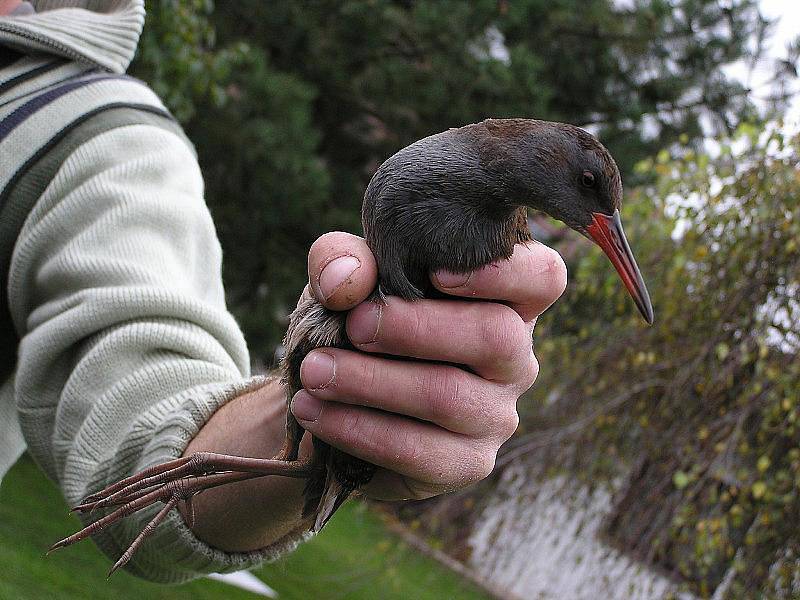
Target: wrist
(233, 517)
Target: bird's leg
(294, 435)
(195, 465)
(172, 482)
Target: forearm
(253, 514)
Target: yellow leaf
(763, 463)
(759, 489)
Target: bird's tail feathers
(333, 496)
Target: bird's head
(567, 173)
(457, 200)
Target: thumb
(341, 270)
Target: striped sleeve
(38, 126)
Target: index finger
(341, 270)
(529, 281)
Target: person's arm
(127, 348)
(430, 427)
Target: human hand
(429, 425)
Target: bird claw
(170, 483)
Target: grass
(354, 557)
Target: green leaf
(680, 479)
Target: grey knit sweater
(114, 284)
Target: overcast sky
(786, 13)
(785, 30)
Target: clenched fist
(434, 418)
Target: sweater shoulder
(38, 135)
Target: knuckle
(470, 463)
(480, 465)
(509, 424)
(503, 421)
(392, 444)
(530, 372)
(410, 448)
(556, 274)
(348, 428)
(441, 390)
(503, 333)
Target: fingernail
(446, 279)
(335, 273)
(305, 407)
(318, 370)
(364, 323)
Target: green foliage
(178, 58)
(704, 405)
(269, 195)
(292, 105)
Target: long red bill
(607, 233)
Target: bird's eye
(587, 179)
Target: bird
(455, 201)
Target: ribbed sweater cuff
(173, 554)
